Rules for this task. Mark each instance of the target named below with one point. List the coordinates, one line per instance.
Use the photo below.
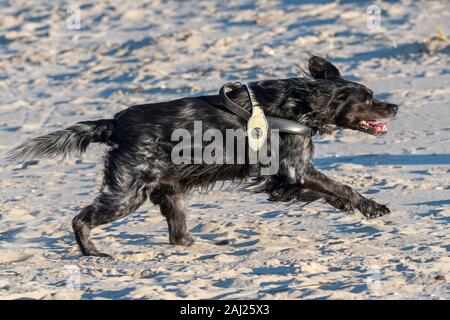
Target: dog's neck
(283, 123)
(298, 99)
(293, 102)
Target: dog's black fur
(138, 161)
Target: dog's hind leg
(105, 209)
(122, 193)
(82, 225)
(173, 205)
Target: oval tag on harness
(257, 127)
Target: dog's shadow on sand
(436, 207)
(397, 160)
(387, 159)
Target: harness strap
(283, 125)
(230, 104)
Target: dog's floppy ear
(322, 69)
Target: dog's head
(342, 104)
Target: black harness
(283, 125)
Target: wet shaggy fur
(138, 163)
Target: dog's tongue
(377, 126)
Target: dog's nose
(394, 107)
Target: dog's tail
(66, 142)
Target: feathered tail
(66, 142)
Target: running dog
(138, 164)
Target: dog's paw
(371, 209)
(185, 240)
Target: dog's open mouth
(376, 127)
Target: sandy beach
(58, 68)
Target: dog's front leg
(173, 206)
(341, 196)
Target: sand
(127, 53)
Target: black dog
(138, 162)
